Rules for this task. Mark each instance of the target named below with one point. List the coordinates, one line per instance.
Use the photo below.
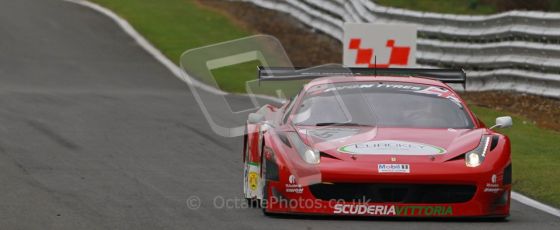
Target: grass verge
(447, 6)
(175, 26)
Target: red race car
(376, 142)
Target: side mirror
(255, 118)
(503, 122)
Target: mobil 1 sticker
(393, 168)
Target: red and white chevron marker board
(394, 46)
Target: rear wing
(297, 73)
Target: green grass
(175, 26)
(244, 72)
(442, 6)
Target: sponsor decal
(398, 86)
(393, 168)
(493, 186)
(293, 186)
(357, 86)
(292, 179)
(392, 147)
(253, 180)
(369, 86)
(392, 210)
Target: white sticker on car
(393, 168)
(392, 147)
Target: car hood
(372, 143)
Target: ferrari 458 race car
(376, 142)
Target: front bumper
(395, 195)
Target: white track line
(535, 204)
(181, 75)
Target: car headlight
(475, 157)
(309, 155)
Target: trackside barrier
(515, 50)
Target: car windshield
(383, 105)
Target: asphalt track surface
(96, 134)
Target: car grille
(396, 193)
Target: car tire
(263, 203)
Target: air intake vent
(395, 193)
